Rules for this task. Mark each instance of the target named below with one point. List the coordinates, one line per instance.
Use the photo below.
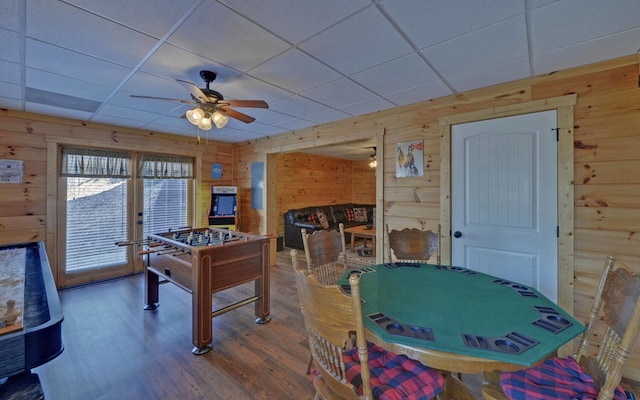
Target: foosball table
(204, 261)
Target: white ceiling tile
(590, 19)
(10, 72)
(295, 71)
(296, 123)
(339, 93)
(496, 44)
(154, 17)
(150, 85)
(64, 85)
(57, 111)
(10, 46)
(222, 35)
(357, 43)
(127, 113)
(11, 104)
(297, 106)
(69, 27)
(509, 71)
(248, 88)
(295, 20)
(328, 116)
(428, 22)
(396, 75)
(175, 63)
(11, 91)
(367, 106)
(10, 14)
(605, 48)
(117, 121)
(265, 116)
(124, 99)
(419, 93)
(56, 60)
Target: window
(96, 206)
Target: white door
(504, 199)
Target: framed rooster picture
(409, 159)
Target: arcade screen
(225, 205)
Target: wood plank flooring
(116, 350)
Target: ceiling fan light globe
(219, 119)
(205, 124)
(195, 116)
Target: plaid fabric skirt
(394, 376)
(555, 378)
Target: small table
(364, 233)
(460, 320)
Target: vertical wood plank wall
(24, 136)
(606, 181)
(305, 180)
(606, 160)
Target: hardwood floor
(116, 350)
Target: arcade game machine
(224, 208)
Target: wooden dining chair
(348, 367)
(411, 244)
(614, 319)
(325, 252)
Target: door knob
(457, 234)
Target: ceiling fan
(210, 105)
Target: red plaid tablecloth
(556, 378)
(394, 376)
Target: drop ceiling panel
(357, 43)
(298, 106)
(69, 27)
(153, 17)
(509, 71)
(295, 71)
(10, 72)
(151, 85)
(10, 46)
(295, 20)
(589, 19)
(59, 61)
(497, 44)
(10, 14)
(47, 81)
(128, 113)
(329, 115)
(175, 63)
(400, 74)
(424, 21)
(419, 93)
(11, 90)
(220, 34)
(367, 106)
(339, 93)
(123, 99)
(58, 111)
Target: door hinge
(557, 134)
(557, 231)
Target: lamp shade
(205, 122)
(219, 119)
(194, 116)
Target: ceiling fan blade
(197, 94)
(162, 98)
(236, 114)
(245, 103)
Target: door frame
(564, 106)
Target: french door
(98, 214)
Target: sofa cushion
(361, 214)
(322, 220)
(351, 217)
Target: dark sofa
(311, 219)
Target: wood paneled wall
(26, 207)
(606, 182)
(305, 180)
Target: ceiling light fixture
(219, 119)
(373, 163)
(205, 120)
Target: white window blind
(96, 206)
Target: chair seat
(394, 376)
(555, 378)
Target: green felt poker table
(461, 320)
